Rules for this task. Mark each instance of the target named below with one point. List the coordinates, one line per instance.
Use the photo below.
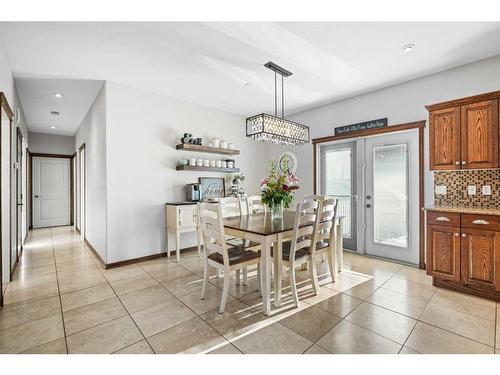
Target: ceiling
(220, 65)
(38, 100)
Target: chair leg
(205, 279)
(313, 272)
(245, 276)
(293, 284)
(238, 277)
(225, 292)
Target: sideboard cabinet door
(444, 139)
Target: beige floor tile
(131, 284)
(410, 288)
(194, 265)
(119, 273)
(465, 303)
(346, 280)
(76, 264)
(33, 263)
(240, 290)
(55, 347)
(470, 326)
(348, 338)
(105, 338)
(161, 317)
(306, 293)
(29, 335)
(144, 298)
(86, 297)
(363, 290)
(85, 317)
(387, 323)
(25, 312)
(340, 304)
(226, 349)
(311, 322)
(211, 301)
(427, 339)
(41, 282)
(30, 294)
(142, 347)
(273, 339)
(406, 350)
(415, 275)
(401, 303)
(237, 320)
(164, 272)
(316, 349)
(186, 285)
(82, 280)
(26, 273)
(191, 337)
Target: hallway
(63, 301)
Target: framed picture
(212, 187)
(288, 162)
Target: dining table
(270, 233)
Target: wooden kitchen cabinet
(479, 135)
(464, 133)
(444, 139)
(481, 258)
(443, 252)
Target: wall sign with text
(379, 123)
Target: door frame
(83, 183)
(420, 125)
(71, 196)
(4, 104)
(19, 170)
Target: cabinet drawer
(486, 222)
(443, 218)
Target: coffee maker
(193, 193)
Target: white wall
(51, 144)
(92, 132)
(400, 103)
(142, 131)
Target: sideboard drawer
(486, 222)
(443, 218)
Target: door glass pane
(390, 188)
(338, 182)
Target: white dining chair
(298, 251)
(255, 205)
(217, 252)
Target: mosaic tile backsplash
(456, 183)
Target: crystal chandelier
(274, 129)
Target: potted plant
(277, 190)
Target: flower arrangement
(277, 189)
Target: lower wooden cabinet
(464, 258)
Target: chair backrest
(255, 205)
(212, 229)
(304, 227)
(230, 206)
(317, 198)
(324, 222)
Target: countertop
(465, 210)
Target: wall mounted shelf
(206, 169)
(206, 149)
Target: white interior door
(51, 192)
(392, 196)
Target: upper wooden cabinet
(444, 138)
(464, 133)
(479, 135)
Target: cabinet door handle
(457, 163)
(456, 234)
(481, 222)
(463, 162)
(442, 218)
(464, 235)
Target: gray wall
(51, 144)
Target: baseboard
(103, 263)
(144, 258)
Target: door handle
(37, 196)
(368, 205)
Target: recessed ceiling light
(55, 113)
(53, 127)
(407, 48)
(58, 95)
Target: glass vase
(277, 211)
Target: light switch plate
(486, 190)
(471, 189)
(440, 189)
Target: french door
(376, 180)
(338, 171)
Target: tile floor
(63, 301)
